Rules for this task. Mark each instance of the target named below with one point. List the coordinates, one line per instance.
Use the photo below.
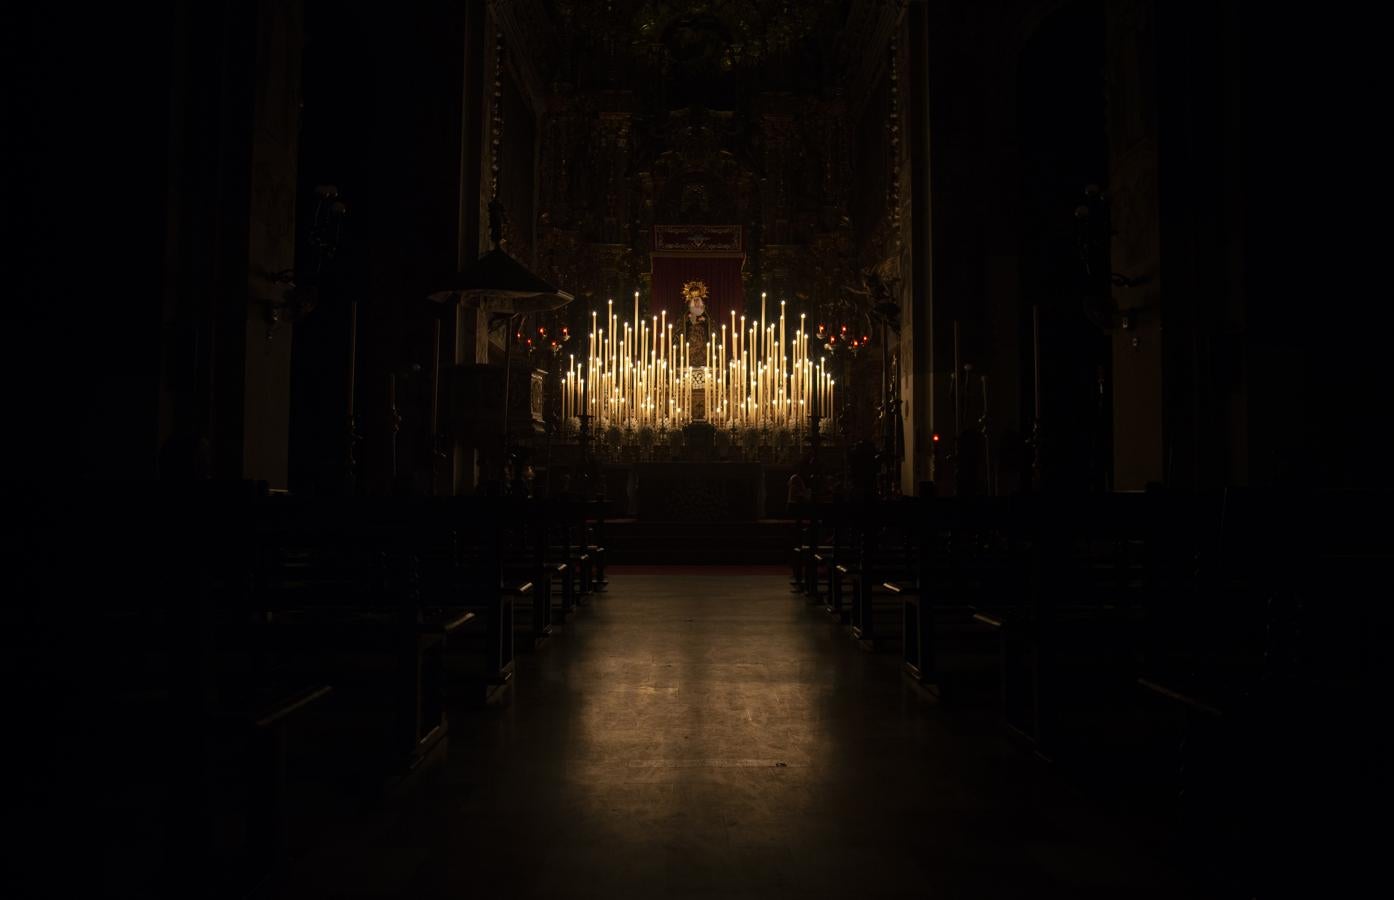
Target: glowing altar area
(661, 375)
(692, 399)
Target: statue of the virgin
(695, 327)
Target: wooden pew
(798, 546)
(338, 594)
(593, 518)
(192, 703)
(818, 562)
(883, 536)
(839, 560)
(1218, 658)
(966, 570)
(527, 560)
(470, 575)
(1067, 660)
(567, 544)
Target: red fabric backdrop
(722, 275)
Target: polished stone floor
(707, 734)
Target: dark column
(917, 320)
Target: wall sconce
(294, 295)
(1095, 233)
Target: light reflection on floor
(710, 735)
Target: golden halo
(697, 287)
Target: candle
(762, 322)
(781, 329)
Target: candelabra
(750, 377)
(296, 291)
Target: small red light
(935, 438)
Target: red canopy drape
(722, 275)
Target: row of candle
(639, 375)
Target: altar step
(634, 542)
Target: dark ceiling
(702, 49)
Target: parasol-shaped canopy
(501, 284)
(498, 283)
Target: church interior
(692, 448)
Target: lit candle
(781, 331)
(762, 319)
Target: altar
(698, 492)
(688, 491)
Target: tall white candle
(762, 322)
(781, 333)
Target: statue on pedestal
(695, 327)
(696, 332)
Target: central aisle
(709, 735)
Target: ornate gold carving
(697, 238)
